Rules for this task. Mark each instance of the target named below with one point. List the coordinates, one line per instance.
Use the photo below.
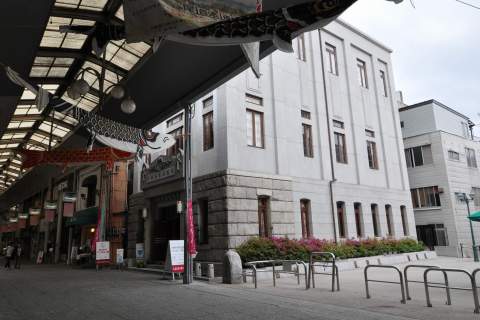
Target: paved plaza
(58, 292)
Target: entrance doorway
(165, 227)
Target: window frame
(208, 131)
(307, 140)
(255, 113)
(426, 197)
(471, 157)
(372, 155)
(305, 218)
(340, 149)
(332, 59)
(383, 77)
(301, 48)
(362, 73)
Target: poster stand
(174, 262)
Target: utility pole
(187, 161)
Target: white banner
(175, 254)
(103, 251)
(148, 19)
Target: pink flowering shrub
(256, 249)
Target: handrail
(444, 270)
(254, 264)
(334, 273)
(405, 273)
(365, 272)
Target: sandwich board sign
(174, 260)
(119, 256)
(102, 251)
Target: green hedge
(257, 249)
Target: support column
(58, 238)
(187, 160)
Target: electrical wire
(468, 4)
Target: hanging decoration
(49, 215)
(34, 216)
(68, 209)
(192, 247)
(74, 157)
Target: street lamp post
(464, 198)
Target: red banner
(34, 220)
(192, 247)
(76, 157)
(50, 215)
(68, 209)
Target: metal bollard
(211, 271)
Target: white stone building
(442, 160)
(267, 153)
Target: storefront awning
(83, 217)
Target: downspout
(329, 130)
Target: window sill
(427, 209)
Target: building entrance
(166, 227)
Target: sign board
(74, 253)
(40, 257)
(119, 256)
(140, 252)
(102, 252)
(162, 169)
(174, 260)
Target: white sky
(436, 48)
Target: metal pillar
(58, 238)
(474, 245)
(187, 162)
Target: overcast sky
(436, 48)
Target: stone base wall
(233, 209)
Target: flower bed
(256, 249)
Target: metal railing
(277, 272)
(405, 273)
(365, 272)
(331, 263)
(446, 286)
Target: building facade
(311, 149)
(441, 156)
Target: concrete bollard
(198, 269)
(211, 271)
(232, 268)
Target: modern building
(311, 149)
(441, 155)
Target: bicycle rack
(446, 286)
(324, 263)
(405, 273)
(365, 272)
(275, 273)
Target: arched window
(388, 213)
(375, 221)
(264, 225)
(358, 219)
(342, 228)
(305, 216)
(403, 211)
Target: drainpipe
(332, 164)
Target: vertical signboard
(174, 262)
(102, 251)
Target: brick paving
(59, 292)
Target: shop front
(81, 229)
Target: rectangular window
(370, 133)
(332, 63)
(418, 156)
(203, 222)
(372, 155)
(255, 129)
(476, 196)
(362, 73)
(452, 155)
(471, 159)
(306, 115)
(340, 148)
(307, 141)
(254, 100)
(427, 197)
(375, 221)
(383, 78)
(305, 218)
(442, 235)
(301, 52)
(175, 120)
(207, 103)
(264, 227)
(178, 135)
(338, 124)
(208, 131)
